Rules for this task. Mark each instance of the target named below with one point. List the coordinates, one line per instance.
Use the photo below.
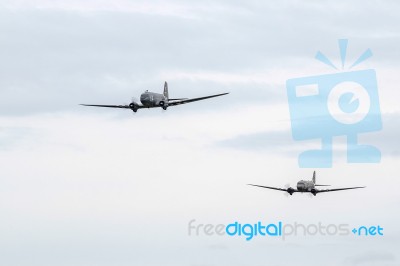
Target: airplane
(306, 186)
(152, 99)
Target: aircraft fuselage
(305, 186)
(152, 99)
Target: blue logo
(251, 230)
(281, 230)
(338, 104)
(368, 231)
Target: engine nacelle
(313, 191)
(290, 190)
(163, 105)
(133, 107)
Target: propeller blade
(286, 193)
(134, 100)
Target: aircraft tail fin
(166, 90)
(314, 180)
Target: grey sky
(82, 186)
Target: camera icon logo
(338, 104)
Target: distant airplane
(305, 186)
(152, 99)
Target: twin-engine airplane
(306, 186)
(152, 99)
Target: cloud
(123, 6)
(372, 258)
(261, 142)
(97, 183)
(281, 141)
(56, 54)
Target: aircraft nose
(144, 98)
(300, 186)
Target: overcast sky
(87, 186)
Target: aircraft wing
(113, 106)
(274, 188)
(183, 101)
(336, 189)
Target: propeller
(312, 194)
(288, 190)
(133, 104)
(134, 100)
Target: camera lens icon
(339, 104)
(348, 102)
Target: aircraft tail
(166, 90)
(314, 181)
